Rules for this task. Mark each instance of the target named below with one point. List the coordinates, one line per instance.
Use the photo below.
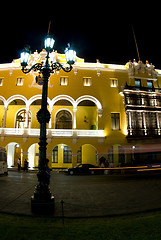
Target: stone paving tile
(83, 195)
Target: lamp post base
(42, 206)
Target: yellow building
(98, 112)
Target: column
(144, 123)
(99, 115)
(5, 116)
(74, 117)
(158, 124)
(27, 117)
(129, 123)
(50, 121)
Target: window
(63, 120)
(115, 121)
(114, 82)
(63, 81)
(21, 118)
(67, 155)
(1, 82)
(150, 85)
(55, 155)
(138, 84)
(87, 82)
(19, 81)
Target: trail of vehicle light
(118, 168)
(149, 169)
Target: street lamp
(42, 201)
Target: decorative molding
(139, 67)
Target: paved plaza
(83, 196)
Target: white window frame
(1, 82)
(87, 81)
(20, 81)
(115, 121)
(113, 82)
(64, 81)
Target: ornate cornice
(135, 68)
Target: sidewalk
(83, 196)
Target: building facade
(99, 112)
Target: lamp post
(42, 201)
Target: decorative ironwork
(56, 66)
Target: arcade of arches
(18, 112)
(63, 156)
(60, 155)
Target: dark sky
(95, 33)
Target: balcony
(51, 133)
(139, 133)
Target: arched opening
(14, 152)
(34, 108)
(62, 113)
(33, 155)
(87, 115)
(14, 106)
(63, 102)
(21, 118)
(63, 120)
(87, 154)
(61, 154)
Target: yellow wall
(109, 97)
(86, 117)
(89, 154)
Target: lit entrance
(14, 152)
(87, 154)
(33, 155)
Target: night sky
(95, 33)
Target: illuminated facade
(98, 111)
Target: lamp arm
(35, 67)
(57, 66)
(54, 66)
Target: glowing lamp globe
(25, 56)
(49, 44)
(70, 55)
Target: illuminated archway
(14, 152)
(16, 97)
(37, 97)
(90, 98)
(63, 97)
(33, 155)
(87, 154)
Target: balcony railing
(145, 133)
(51, 133)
